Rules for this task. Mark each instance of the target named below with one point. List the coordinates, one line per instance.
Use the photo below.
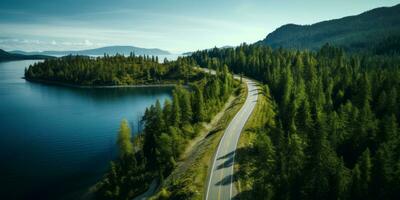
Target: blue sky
(174, 25)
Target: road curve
(220, 181)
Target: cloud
(42, 45)
(137, 27)
(67, 37)
(88, 43)
(19, 41)
(83, 43)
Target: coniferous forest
(109, 70)
(152, 154)
(168, 128)
(332, 129)
(310, 110)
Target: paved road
(220, 182)
(150, 192)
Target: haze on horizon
(173, 25)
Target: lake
(57, 141)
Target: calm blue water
(55, 140)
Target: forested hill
(6, 56)
(353, 33)
(110, 50)
(330, 129)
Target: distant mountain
(353, 33)
(6, 56)
(110, 50)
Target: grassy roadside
(263, 114)
(188, 180)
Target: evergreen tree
(365, 175)
(199, 114)
(266, 159)
(186, 108)
(356, 184)
(167, 112)
(176, 110)
(125, 140)
(295, 164)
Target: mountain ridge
(7, 56)
(110, 50)
(353, 33)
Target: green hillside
(354, 33)
(6, 56)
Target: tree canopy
(335, 131)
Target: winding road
(220, 180)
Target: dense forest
(332, 130)
(333, 122)
(152, 154)
(109, 70)
(389, 46)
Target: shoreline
(99, 86)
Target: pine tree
(295, 164)
(363, 95)
(186, 108)
(176, 110)
(154, 127)
(322, 161)
(124, 140)
(215, 88)
(198, 105)
(166, 159)
(167, 112)
(356, 184)
(159, 123)
(365, 169)
(303, 118)
(226, 86)
(114, 191)
(266, 161)
(341, 181)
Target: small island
(111, 71)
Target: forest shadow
(226, 180)
(243, 159)
(235, 103)
(226, 164)
(226, 155)
(243, 195)
(212, 132)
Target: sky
(174, 25)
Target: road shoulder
(263, 114)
